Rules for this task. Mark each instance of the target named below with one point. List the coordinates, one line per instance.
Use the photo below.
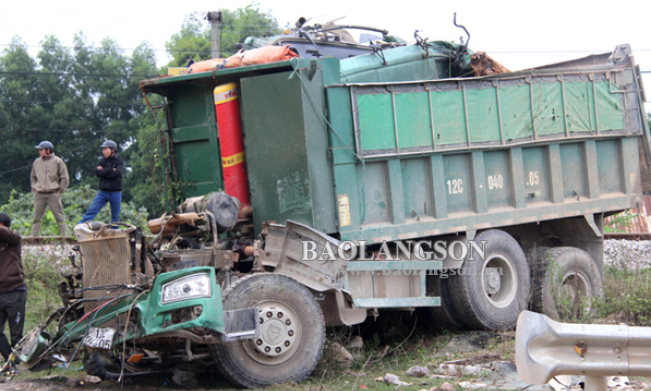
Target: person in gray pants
(49, 179)
(13, 290)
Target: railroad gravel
(627, 254)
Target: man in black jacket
(109, 170)
(13, 291)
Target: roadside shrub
(42, 271)
(75, 202)
(626, 296)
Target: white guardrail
(545, 349)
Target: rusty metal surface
(637, 226)
(107, 262)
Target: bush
(626, 296)
(75, 203)
(42, 272)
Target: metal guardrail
(545, 349)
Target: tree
(19, 114)
(193, 41)
(74, 98)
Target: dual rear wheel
(494, 286)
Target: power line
(37, 73)
(60, 154)
(71, 103)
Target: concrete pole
(214, 17)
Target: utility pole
(214, 17)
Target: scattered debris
(460, 368)
(483, 65)
(184, 378)
(392, 379)
(619, 382)
(356, 343)
(447, 387)
(472, 385)
(417, 371)
(92, 379)
(341, 353)
(471, 342)
(565, 382)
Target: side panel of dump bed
(436, 157)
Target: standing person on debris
(13, 291)
(49, 179)
(109, 170)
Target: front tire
(292, 332)
(490, 291)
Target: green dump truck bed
(386, 157)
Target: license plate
(99, 338)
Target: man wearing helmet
(49, 179)
(109, 170)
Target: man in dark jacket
(13, 291)
(109, 170)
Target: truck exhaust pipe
(545, 349)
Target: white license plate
(99, 338)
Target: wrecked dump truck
(324, 189)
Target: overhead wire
(63, 153)
(71, 103)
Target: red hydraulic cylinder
(231, 143)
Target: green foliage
(193, 41)
(244, 22)
(74, 97)
(75, 202)
(42, 266)
(626, 296)
(620, 222)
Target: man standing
(49, 180)
(109, 170)
(13, 291)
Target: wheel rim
(280, 334)
(574, 287)
(499, 280)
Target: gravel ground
(627, 254)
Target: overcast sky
(520, 34)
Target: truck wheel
(565, 279)
(444, 316)
(292, 332)
(489, 292)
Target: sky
(519, 34)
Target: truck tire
(444, 317)
(292, 332)
(565, 279)
(489, 292)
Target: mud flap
(240, 324)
